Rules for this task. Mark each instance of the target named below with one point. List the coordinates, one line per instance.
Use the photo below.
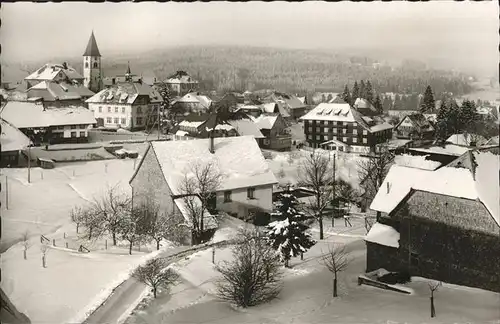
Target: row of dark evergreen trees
(362, 90)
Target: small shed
(46, 163)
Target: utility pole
(333, 192)
(29, 163)
(7, 192)
(158, 108)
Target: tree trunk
(77, 227)
(334, 287)
(433, 310)
(130, 247)
(158, 244)
(24, 252)
(114, 238)
(287, 265)
(154, 292)
(320, 219)
(43, 261)
(90, 233)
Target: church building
(92, 71)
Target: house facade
(447, 221)
(13, 141)
(55, 73)
(246, 178)
(275, 130)
(125, 105)
(341, 127)
(414, 126)
(181, 83)
(49, 125)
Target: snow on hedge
(383, 235)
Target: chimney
(211, 147)
(388, 187)
(65, 65)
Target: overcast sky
(464, 32)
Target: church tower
(92, 71)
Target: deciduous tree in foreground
(434, 286)
(336, 260)
(26, 244)
(156, 274)
(254, 275)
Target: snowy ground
(73, 283)
(346, 166)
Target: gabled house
(443, 224)
(201, 125)
(55, 73)
(289, 105)
(52, 125)
(181, 83)
(275, 131)
(445, 153)
(246, 177)
(364, 107)
(126, 105)
(12, 142)
(414, 126)
(341, 127)
(193, 102)
(59, 94)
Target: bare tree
(159, 225)
(372, 172)
(134, 226)
(44, 248)
(434, 286)
(26, 243)
(335, 260)
(199, 185)
(155, 274)
(254, 275)
(76, 217)
(91, 221)
(111, 208)
(316, 173)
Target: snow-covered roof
(238, 159)
(482, 184)
(331, 112)
(209, 221)
(380, 127)
(181, 133)
(195, 124)
(396, 186)
(115, 93)
(265, 121)
(384, 235)
(448, 149)
(180, 77)
(31, 114)
(246, 127)
(416, 161)
(50, 91)
(12, 139)
(225, 127)
(269, 107)
(466, 139)
(495, 140)
(50, 71)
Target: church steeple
(128, 75)
(92, 49)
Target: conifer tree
(362, 89)
(378, 104)
(369, 92)
(288, 236)
(354, 93)
(467, 116)
(346, 95)
(428, 103)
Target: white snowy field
(346, 165)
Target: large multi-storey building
(338, 126)
(126, 104)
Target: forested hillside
(223, 67)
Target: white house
(246, 181)
(54, 73)
(125, 105)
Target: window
(365, 132)
(310, 129)
(83, 126)
(318, 137)
(95, 65)
(344, 131)
(139, 110)
(344, 139)
(354, 140)
(73, 134)
(326, 129)
(251, 193)
(87, 65)
(124, 121)
(116, 109)
(139, 121)
(82, 134)
(227, 196)
(365, 140)
(109, 120)
(60, 127)
(109, 109)
(73, 126)
(318, 129)
(117, 120)
(339, 123)
(100, 109)
(123, 109)
(86, 58)
(355, 131)
(309, 137)
(335, 130)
